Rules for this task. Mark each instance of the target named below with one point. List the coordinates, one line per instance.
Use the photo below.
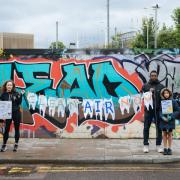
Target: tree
(116, 41)
(176, 17)
(60, 45)
(169, 37)
(148, 28)
(166, 37)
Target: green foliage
(116, 41)
(147, 28)
(176, 16)
(168, 37)
(60, 45)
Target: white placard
(5, 109)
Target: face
(9, 86)
(153, 76)
(166, 94)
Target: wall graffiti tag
(99, 97)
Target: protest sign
(5, 109)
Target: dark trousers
(16, 118)
(149, 117)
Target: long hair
(4, 89)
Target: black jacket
(157, 86)
(15, 97)
(170, 124)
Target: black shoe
(15, 147)
(165, 151)
(169, 151)
(3, 148)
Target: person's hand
(1, 124)
(165, 119)
(169, 117)
(152, 90)
(22, 92)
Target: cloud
(87, 18)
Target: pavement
(86, 151)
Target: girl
(10, 94)
(167, 122)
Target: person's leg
(169, 142)
(147, 124)
(158, 130)
(17, 120)
(165, 139)
(6, 134)
(6, 130)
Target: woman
(9, 93)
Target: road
(91, 172)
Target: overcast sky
(85, 19)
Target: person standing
(167, 123)
(152, 115)
(9, 93)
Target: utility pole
(77, 40)
(147, 33)
(56, 34)
(115, 34)
(108, 28)
(156, 7)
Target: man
(152, 115)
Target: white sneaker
(159, 149)
(146, 149)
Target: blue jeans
(149, 117)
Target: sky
(79, 20)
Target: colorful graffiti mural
(58, 93)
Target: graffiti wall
(87, 96)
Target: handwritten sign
(167, 107)
(5, 109)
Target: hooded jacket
(157, 87)
(170, 124)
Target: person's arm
(164, 118)
(176, 110)
(2, 97)
(19, 98)
(143, 90)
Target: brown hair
(4, 86)
(168, 90)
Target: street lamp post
(56, 34)
(156, 7)
(108, 26)
(147, 33)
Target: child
(167, 122)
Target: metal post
(108, 28)
(147, 33)
(115, 31)
(56, 34)
(77, 40)
(156, 7)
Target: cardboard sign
(167, 107)
(5, 109)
